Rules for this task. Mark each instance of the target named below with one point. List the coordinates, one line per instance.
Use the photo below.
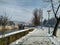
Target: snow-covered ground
(38, 37)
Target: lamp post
(41, 16)
(48, 21)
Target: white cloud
(8, 1)
(16, 13)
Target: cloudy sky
(22, 10)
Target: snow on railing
(15, 32)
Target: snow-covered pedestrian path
(37, 37)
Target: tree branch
(54, 10)
(52, 7)
(57, 9)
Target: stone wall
(9, 39)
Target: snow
(38, 37)
(15, 32)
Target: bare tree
(3, 22)
(57, 18)
(36, 18)
(55, 12)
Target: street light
(48, 20)
(41, 16)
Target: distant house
(19, 24)
(51, 22)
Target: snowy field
(39, 37)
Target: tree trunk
(55, 28)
